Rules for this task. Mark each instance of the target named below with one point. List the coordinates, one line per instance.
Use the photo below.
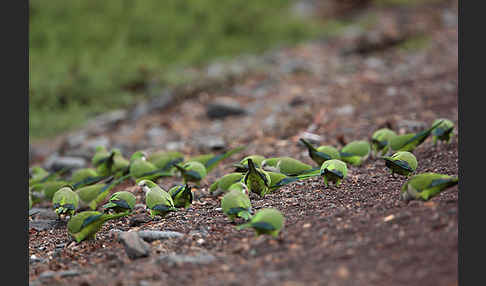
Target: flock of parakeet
(254, 175)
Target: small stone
(34, 211)
(156, 132)
(411, 125)
(215, 70)
(43, 213)
(139, 219)
(35, 259)
(76, 140)
(151, 235)
(343, 272)
(389, 218)
(47, 275)
(66, 273)
(139, 110)
(44, 224)
(135, 247)
(391, 91)
(177, 259)
(312, 137)
(56, 162)
(373, 63)
(174, 145)
(345, 110)
(92, 144)
(211, 142)
(224, 107)
(296, 101)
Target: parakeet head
(100, 148)
(138, 155)
(146, 185)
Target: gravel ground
(357, 234)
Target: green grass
(83, 53)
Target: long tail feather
(218, 158)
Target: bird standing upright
(257, 180)
(322, 153)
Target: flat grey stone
(135, 247)
(34, 259)
(45, 224)
(211, 142)
(177, 259)
(56, 162)
(345, 110)
(151, 235)
(224, 107)
(76, 140)
(65, 273)
(91, 144)
(43, 213)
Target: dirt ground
(357, 234)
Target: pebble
(66, 273)
(91, 145)
(151, 235)
(177, 259)
(43, 224)
(224, 107)
(56, 162)
(135, 247)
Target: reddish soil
(357, 234)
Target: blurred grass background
(85, 54)
(89, 56)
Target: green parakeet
(286, 165)
(93, 195)
(166, 159)
(402, 162)
(257, 180)
(192, 171)
(222, 184)
(426, 185)
(49, 188)
(355, 152)
(380, 140)
(210, 161)
(279, 180)
(85, 225)
(240, 187)
(121, 201)
(157, 200)
(139, 166)
(102, 160)
(37, 173)
(443, 131)
(266, 221)
(181, 195)
(236, 204)
(275, 178)
(83, 174)
(242, 165)
(410, 141)
(65, 202)
(333, 171)
(120, 165)
(321, 153)
(37, 182)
